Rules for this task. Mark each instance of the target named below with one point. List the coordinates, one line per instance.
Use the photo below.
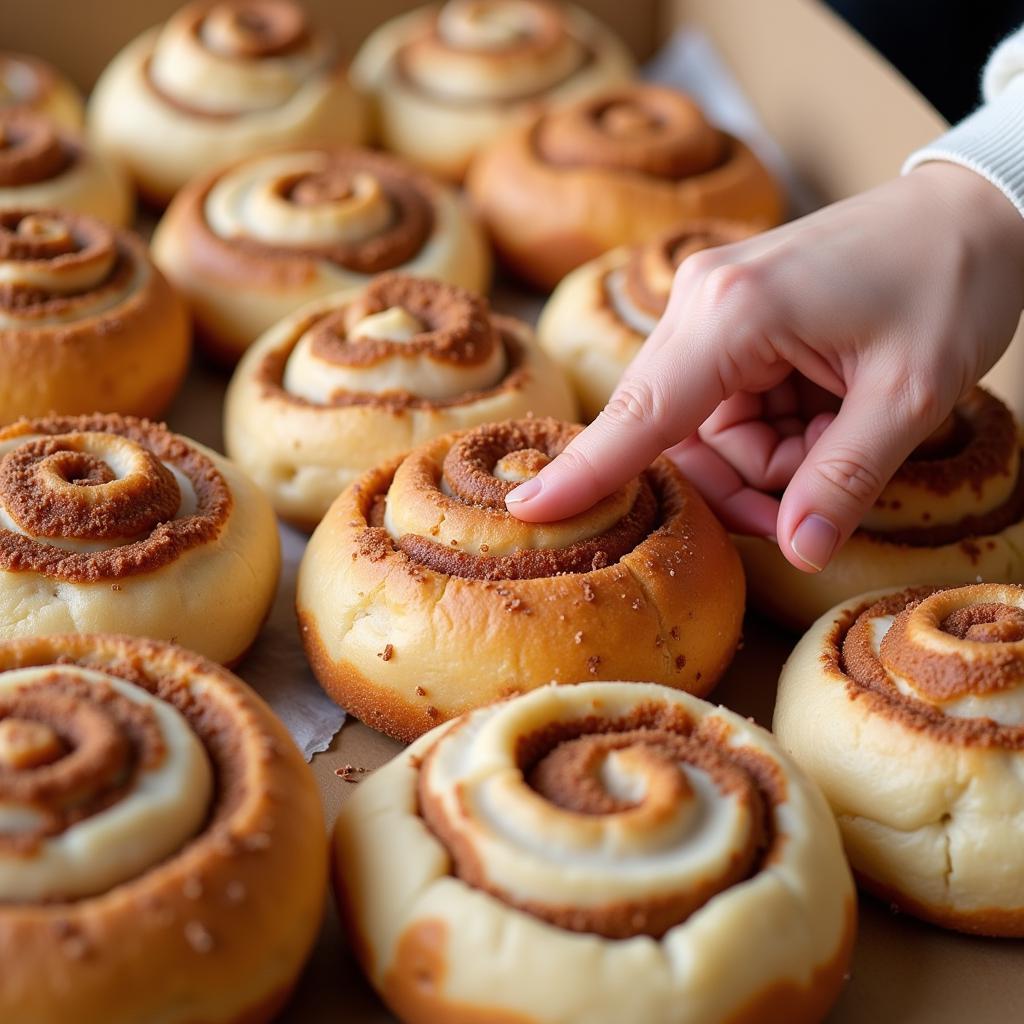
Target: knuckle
(851, 474)
(739, 287)
(696, 267)
(637, 404)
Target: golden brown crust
(30, 84)
(230, 917)
(39, 486)
(612, 170)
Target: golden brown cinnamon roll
(86, 321)
(362, 376)
(30, 84)
(110, 523)
(420, 597)
(953, 513)
(43, 166)
(219, 80)
(252, 242)
(610, 170)
(601, 313)
(623, 846)
(449, 78)
(908, 709)
(160, 838)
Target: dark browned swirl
(94, 497)
(643, 129)
(31, 149)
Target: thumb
(658, 402)
(846, 469)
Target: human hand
(812, 359)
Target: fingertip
(813, 543)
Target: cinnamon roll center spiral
(31, 150)
(253, 28)
(642, 129)
(98, 780)
(656, 812)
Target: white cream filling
(640, 321)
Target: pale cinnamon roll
(113, 524)
(160, 838)
(43, 166)
(449, 78)
(221, 79)
(601, 313)
(31, 85)
(362, 376)
(252, 242)
(614, 169)
(420, 597)
(623, 846)
(953, 513)
(908, 709)
(86, 321)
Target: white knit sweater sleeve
(991, 140)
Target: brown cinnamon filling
(849, 651)
(409, 194)
(62, 512)
(31, 150)
(458, 327)
(561, 762)
(640, 129)
(104, 740)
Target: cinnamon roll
(635, 853)
(113, 524)
(160, 839)
(250, 243)
(43, 166)
(86, 321)
(221, 79)
(601, 313)
(610, 170)
(30, 84)
(420, 597)
(953, 513)
(908, 710)
(447, 79)
(360, 377)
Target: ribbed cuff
(990, 142)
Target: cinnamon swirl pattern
(611, 170)
(908, 709)
(360, 377)
(420, 597)
(159, 838)
(601, 313)
(31, 85)
(623, 846)
(86, 321)
(953, 513)
(110, 523)
(222, 79)
(43, 166)
(251, 243)
(447, 79)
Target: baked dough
(251, 243)
(617, 168)
(605, 852)
(449, 78)
(220, 81)
(30, 84)
(43, 166)
(112, 523)
(953, 513)
(601, 313)
(160, 848)
(908, 710)
(86, 321)
(355, 379)
(420, 597)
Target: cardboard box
(846, 120)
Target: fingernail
(815, 540)
(524, 492)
